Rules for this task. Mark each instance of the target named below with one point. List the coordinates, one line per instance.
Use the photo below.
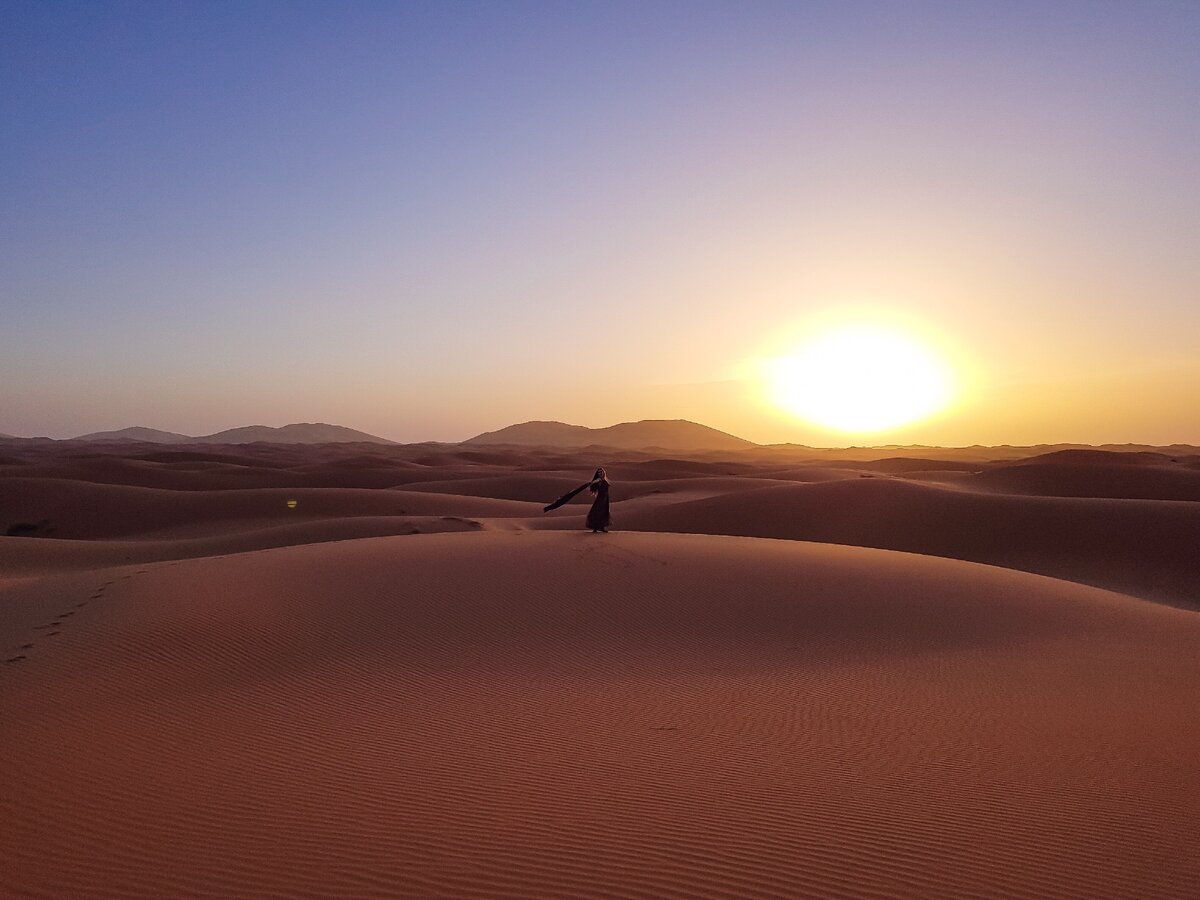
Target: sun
(860, 379)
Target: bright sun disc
(860, 379)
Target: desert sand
(271, 670)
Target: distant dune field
(330, 670)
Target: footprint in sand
(52, 633)
(13, 659)
(27, 646)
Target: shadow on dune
(90, 511)
(1064, 479)
(1147, 548)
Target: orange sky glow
(427, 222)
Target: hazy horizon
(826, 446)
(430, 221)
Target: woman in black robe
(598, 518)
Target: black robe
(598, 516)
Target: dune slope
(1144, 547)
(1139, 481)
(558, 714)
(84, 510)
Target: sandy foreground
(421, 691)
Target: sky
(432, 220)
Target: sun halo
(860, 379)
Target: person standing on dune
(598, 518)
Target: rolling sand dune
(904, 465)
(1144, 547)
(543, 488)
(949, 477)
(180, 476)
(655, 469)
(528, 487)
(813, 473)
(219, 475)
(1062, 479)
(85, 510)
(516, 715)
(21, 556)
(436, 690)
(1078, 457)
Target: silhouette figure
(598, 518)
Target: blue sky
(430, 220)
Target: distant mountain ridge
(649, 434)
(297, 433)
(666, 434)
(136, 433)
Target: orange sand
(207, 693)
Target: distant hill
(666, 434)
(542, 434)
(136, 433)
(300, 433)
